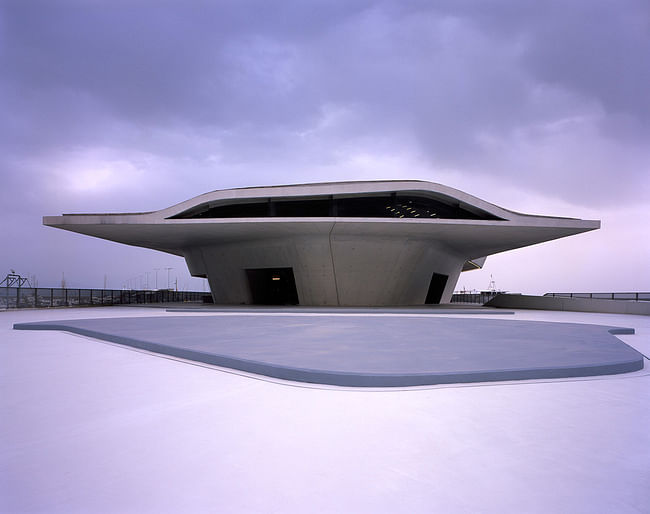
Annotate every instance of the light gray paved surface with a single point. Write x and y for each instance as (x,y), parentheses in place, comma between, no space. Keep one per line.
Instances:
(362,350)
(94,428)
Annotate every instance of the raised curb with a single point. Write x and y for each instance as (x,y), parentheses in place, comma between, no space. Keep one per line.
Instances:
(615,356)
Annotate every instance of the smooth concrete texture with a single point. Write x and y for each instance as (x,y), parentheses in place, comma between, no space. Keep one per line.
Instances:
(364,351)
(336,261)
(556,303)
(93,427)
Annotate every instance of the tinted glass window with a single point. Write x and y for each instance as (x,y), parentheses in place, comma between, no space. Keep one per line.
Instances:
(385,206)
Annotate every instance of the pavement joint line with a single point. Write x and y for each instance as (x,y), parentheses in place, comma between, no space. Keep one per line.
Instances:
(336,314)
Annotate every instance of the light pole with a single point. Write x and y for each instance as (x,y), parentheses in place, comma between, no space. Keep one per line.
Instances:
(157,269)
(168,269)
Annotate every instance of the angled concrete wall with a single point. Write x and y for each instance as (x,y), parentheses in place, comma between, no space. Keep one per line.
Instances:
(555,303)
(342,269)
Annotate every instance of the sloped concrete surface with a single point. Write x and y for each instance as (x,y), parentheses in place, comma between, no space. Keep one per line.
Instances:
(366,351)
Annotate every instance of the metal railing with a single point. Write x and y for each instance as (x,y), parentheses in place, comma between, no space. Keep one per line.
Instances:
(474,298)
(636,297)
(31,297)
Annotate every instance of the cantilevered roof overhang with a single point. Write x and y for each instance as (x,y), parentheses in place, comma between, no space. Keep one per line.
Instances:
(486,228)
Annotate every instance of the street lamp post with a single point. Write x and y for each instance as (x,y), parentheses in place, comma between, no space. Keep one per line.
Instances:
(168,270)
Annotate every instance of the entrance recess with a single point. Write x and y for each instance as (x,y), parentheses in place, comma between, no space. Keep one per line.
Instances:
(272,286)
(436,288)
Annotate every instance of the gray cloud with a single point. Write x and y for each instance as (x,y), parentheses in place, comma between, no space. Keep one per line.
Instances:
(136,105)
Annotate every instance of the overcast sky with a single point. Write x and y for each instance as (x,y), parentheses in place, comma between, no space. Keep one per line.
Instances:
(539,107)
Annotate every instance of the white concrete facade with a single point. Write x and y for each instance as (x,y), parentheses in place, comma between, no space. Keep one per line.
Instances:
(335,259)
(349,270)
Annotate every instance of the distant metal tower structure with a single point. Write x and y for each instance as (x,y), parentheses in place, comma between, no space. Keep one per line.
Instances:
(493,286)
(14,280)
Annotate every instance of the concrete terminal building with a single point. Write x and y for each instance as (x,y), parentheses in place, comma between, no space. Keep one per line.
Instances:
(343,243)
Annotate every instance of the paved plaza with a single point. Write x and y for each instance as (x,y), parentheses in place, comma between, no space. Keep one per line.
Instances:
(371,349)
(88,425)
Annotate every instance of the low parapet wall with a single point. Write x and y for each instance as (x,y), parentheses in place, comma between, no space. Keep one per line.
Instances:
(550,303)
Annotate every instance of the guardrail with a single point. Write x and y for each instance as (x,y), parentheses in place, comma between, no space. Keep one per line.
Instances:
(475,298)
(636,297)
(31,297)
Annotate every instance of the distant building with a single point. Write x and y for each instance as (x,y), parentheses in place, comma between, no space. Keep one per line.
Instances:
(342,243)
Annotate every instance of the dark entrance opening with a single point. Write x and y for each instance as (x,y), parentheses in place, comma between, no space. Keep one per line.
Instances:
(436,288)
(272,286)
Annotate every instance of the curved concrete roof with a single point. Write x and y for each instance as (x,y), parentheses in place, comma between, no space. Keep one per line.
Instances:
(470,238)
